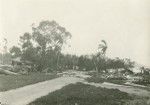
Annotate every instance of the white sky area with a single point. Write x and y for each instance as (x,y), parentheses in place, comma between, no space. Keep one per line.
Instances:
(124,24)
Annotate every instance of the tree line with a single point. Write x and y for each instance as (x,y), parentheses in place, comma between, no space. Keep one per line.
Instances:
(43,47)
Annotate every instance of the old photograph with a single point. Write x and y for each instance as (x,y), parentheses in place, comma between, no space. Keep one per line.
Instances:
(74,52)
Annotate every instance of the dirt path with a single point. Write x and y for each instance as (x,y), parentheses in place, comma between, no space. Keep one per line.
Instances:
(27,94)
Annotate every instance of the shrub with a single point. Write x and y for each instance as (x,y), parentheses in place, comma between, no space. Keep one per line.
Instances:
(96,79)
(144,81)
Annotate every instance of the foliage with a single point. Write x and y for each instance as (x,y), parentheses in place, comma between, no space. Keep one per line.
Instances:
(85,62)
(81,94)
(5,58)
(15,51)
(144,81)
(49,36)
(43,46)
(128,63)
(99,78)
(119,80)
(103,47)
(96,79)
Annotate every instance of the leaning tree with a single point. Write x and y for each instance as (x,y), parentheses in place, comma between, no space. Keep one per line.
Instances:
(102,47)
(99,59)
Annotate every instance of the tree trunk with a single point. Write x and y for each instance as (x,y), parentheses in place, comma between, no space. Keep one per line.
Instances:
(95,66)
(57,60)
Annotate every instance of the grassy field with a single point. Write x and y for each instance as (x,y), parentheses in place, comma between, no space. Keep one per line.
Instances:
(8,82)
(82,94)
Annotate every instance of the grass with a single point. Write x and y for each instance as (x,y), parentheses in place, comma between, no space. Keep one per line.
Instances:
(138,101)
(8,82)
(83,94)
(96,79)
(142,82)
(116,81)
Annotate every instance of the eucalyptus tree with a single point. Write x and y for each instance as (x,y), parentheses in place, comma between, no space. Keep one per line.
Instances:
(49,35)
(44,44)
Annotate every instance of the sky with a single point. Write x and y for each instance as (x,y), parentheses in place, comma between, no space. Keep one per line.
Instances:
(123,24)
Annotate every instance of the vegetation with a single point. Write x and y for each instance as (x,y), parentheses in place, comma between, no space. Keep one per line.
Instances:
(43,48)
(98,78)
(5,58)
(118,80)
(81,94)
(12,82)
(138,101)
(144,81)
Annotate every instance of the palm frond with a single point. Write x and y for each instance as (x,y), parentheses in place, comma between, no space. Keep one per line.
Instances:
(104,42)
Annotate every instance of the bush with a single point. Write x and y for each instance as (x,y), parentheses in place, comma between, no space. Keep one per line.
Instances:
(144,81)
(99,78)
(96,79)
(116,78)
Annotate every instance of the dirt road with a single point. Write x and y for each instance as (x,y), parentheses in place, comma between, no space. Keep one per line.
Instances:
(27,94)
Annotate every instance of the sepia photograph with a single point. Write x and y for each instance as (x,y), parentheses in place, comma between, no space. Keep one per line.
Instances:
(74,52)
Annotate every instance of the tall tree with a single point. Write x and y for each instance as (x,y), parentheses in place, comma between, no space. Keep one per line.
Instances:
(29,52)
(25,41)
(49,35)
(43,46)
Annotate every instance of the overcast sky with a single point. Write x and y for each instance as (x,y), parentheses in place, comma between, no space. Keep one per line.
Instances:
(124,24)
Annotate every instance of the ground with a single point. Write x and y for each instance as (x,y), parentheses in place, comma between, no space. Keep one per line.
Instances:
(27,94)
(30,93)
(83,94)
(8,82)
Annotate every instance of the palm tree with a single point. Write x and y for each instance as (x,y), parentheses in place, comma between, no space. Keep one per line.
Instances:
(100,56)
(103,47)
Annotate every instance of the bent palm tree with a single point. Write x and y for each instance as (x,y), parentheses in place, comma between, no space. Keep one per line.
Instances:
(103,47)
(100,56)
